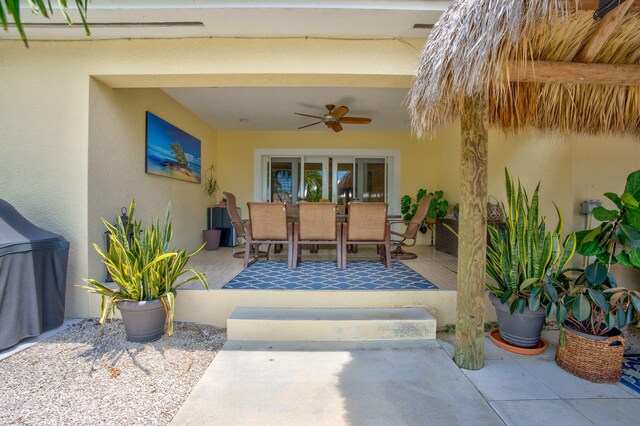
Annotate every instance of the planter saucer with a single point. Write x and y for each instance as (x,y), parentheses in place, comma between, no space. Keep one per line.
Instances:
(494,335)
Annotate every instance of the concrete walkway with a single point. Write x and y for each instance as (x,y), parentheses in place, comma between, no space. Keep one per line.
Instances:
(414,384)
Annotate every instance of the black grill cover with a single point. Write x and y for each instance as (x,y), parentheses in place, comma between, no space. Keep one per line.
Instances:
(33,277)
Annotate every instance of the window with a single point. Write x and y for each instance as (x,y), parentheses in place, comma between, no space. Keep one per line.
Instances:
(314,175)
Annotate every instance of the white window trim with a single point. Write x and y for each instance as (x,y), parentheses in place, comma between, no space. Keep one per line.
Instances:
(393,154)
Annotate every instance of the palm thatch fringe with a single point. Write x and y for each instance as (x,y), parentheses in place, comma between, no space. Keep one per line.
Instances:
(471,45)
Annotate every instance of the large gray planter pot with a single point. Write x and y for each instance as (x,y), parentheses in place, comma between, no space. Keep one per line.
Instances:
(519,329)
(143,321)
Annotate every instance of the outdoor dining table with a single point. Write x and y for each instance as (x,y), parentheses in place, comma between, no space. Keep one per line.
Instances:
(292,217)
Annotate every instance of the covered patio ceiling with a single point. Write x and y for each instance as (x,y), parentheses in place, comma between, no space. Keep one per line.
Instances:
(272,108)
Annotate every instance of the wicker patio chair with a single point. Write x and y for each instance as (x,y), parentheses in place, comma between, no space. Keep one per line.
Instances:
(408,237)
(268,225)
(317,224)
(238,224)
(367,224)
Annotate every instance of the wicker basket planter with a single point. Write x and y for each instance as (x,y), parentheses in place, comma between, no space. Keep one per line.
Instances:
(594,358)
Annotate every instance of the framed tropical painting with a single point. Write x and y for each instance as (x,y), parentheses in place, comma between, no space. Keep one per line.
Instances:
(171,152)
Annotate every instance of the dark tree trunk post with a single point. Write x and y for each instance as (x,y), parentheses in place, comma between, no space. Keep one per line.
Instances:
(469,345)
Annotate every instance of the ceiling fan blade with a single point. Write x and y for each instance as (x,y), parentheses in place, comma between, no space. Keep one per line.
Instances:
(306,115)
(340,111)
(309,125)
(336,127)
(355,120)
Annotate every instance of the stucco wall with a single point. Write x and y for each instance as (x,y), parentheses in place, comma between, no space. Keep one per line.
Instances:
(58,125)
(116,166)
(45,103)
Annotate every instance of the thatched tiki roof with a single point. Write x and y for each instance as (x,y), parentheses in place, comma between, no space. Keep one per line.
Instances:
(545,64)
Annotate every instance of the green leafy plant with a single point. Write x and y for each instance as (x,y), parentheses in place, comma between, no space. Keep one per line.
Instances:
(525,260)
(210,185)
(592,302)
(142,266)
(437,210)
(12,7)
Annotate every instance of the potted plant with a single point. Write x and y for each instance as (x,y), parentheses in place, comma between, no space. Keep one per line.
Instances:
(525,262)
(592,309)
(437,210)
(210,235)
(145,273)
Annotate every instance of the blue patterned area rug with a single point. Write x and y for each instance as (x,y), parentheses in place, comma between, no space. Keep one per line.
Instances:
(324,275)
(631,371)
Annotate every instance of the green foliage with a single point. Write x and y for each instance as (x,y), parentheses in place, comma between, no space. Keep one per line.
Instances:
(178,153)
(141,266)
(313,185)
(12,7)
(592,302)
(210,185)
(437,210)
(525,260)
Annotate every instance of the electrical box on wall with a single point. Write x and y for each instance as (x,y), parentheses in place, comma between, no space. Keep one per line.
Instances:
(587,206)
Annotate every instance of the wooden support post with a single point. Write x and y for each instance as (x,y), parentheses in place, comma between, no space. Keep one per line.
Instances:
(472,243)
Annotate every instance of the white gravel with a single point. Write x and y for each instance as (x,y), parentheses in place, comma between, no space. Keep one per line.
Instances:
(90,374)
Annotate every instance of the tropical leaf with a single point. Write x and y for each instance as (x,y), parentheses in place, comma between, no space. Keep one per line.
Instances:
(604,215)
(581,308)
(628,236)
(561,313)
(634,258)
(596,273)
(590,248)
(598,298)
(633,217)
(633,184)
(614,197)
(629,200)
(621,318)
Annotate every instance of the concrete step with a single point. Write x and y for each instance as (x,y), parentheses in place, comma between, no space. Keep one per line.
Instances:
(331,324)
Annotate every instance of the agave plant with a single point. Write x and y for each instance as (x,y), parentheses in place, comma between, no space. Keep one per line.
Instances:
(525,260)
(142,266)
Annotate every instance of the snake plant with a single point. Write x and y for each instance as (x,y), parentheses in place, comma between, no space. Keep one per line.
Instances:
(525,260)
(142,266)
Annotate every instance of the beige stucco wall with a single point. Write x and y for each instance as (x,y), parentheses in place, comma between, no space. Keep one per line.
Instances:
(237,148)
(116,167)
(59,126)
(45,137)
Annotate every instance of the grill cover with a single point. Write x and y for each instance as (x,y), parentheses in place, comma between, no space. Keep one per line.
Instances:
(33,277)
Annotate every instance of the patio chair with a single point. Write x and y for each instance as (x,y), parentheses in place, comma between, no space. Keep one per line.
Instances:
(410,234)
(317,224)
(367,224)
(238,225)
(268,225)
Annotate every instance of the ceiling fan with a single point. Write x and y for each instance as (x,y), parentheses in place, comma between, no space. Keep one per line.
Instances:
(334,118)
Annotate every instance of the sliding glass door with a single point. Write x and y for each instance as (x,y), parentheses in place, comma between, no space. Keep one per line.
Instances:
(338,178)
(371,179)
(284,178)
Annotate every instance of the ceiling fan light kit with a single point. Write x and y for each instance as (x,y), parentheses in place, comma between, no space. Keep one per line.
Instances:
(335,118)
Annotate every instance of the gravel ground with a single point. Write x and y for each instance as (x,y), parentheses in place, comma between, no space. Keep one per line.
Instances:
(90,374)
